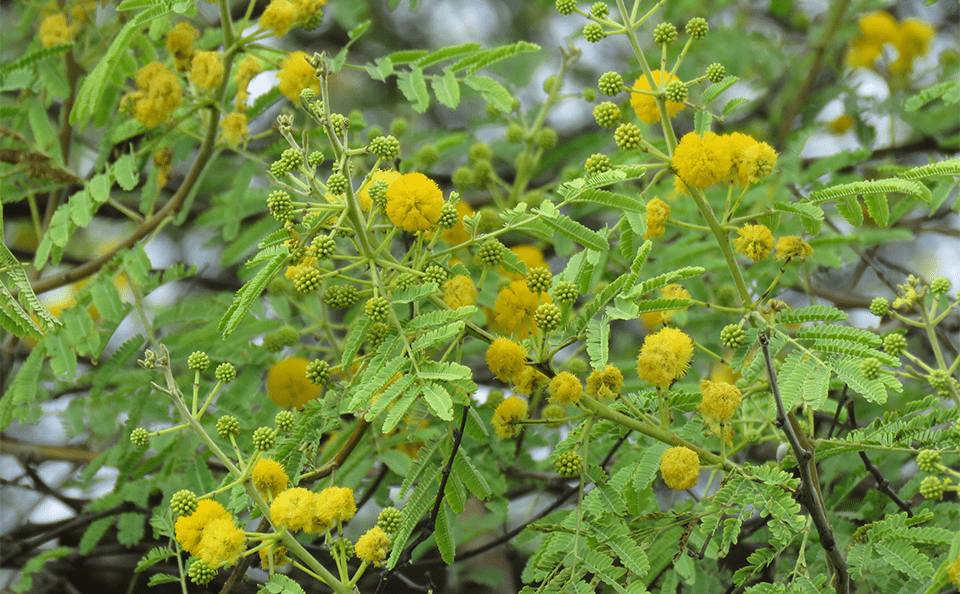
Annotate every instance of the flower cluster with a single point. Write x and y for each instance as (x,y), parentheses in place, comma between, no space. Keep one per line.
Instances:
(300,509)
(664,357)
(159,93)
(680,467)
(414,202)
(507,417)
(910,38)
(296,74)
(516,306)
(287,383)
(702,161)
(210,534)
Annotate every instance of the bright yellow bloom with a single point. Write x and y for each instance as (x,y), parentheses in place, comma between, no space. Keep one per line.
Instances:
(664,357)
(387,175)
(373,546)
(702,161)
(189,530)
(160,93)
(459,291)
(658,212)
(515,306)
(180,42)
(565,388)
(293,508)
(296,74)
(308,9)
(605,383)
(269,477)
(755,241)
(645,106)
(506,418)
(506,358)
(738,144)
(758,161)
(233,128)
(876,29)
(791,246)
(293,271)
(720,400)
(530,255)
(680,467)
(529,380)
(954,571)
(221,543)
(279,16)
(249,67)
(912,40)
(54,30)
(206,70)
(336,504)
(414,202)
(287,383)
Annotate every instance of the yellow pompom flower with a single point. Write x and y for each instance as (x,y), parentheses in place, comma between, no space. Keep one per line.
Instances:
(387,175)
(913,39)
(529,380)
(222,542)
(793,247)
(664,357)
(206,70)
(840,124)
(414,202)
(287,383)
(459,291)
(249,68)
(296,74)
(180,42)
(758,161)
(336,504)
(755,241)
(702,161)
(189,529)
(269,477)
(658,212)
(645,106)
(160,93)
(530,255)
(876,29)
(279,16)
(680,467)
(514,308)
(565,389)
(605,383)
(293,508)
(738,144)
(54,30)
(373,546)
(506,418)
(720,400)
(233,128)
(506,358)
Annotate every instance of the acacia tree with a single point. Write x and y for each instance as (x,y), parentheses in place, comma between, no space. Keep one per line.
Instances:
(653,326)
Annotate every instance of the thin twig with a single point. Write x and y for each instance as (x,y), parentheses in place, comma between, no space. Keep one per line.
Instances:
(883,485)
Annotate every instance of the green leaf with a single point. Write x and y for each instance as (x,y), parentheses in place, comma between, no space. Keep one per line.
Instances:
(611,199)
(414,293)
(876,186)
(438,399)
(282,584)
(714,90)
(701,122)
(13,319)
(248,294)
(465,470)
(491,91)
(33,58)
(448,53)
(437,337)
(598,341)
(445,539)
(406,56)
(823,313)
(663,280)
(124,171)
(949,90)
(483,59)
(577,232)
(733,104)
(154,556)
(905,558)
(414,88)
(447,89)
(95,531)
(399,409)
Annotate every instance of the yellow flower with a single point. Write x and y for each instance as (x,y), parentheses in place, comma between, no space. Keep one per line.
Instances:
(160,93)
(912,40)
(54,30)
(506,358)
(373,546)
(459,291)
(249,68)
(606,383)
(387,175)
(269,477)
(664,357)
(180,42)
(755,242)
(793,247)
(680,467)
(530,255)
(336,504)
(702,161)
(720,400)
(506,418)
(296,74)
(876,29)
(528,380)
(221,543)
(565,388)
(293,271)
(758,161)
(458,234)
(840,124)
(414,202)
(279,15)
(645,106)
(658,212)
(293,508)
(954,571)
(189,529)
(308,9)
(287,383)
(233,128)
(515,306)
(738,144)
(277,553)
(206,70)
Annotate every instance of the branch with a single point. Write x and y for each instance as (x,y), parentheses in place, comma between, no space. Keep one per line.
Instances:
(883,485)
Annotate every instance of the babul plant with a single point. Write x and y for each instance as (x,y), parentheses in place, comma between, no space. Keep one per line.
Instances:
(684,339)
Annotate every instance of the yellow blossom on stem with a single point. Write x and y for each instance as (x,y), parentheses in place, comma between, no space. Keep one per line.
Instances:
(279,16)
(414,202)
(160,93)
(287,383)
(755,241)
(720,400)
(293,508)
(565,389)
(605,383)
(336,504)
(506,418)
(206,70)
(249,67)
(738,144)
(876,29)
(459,291)
(664,357)
(702,161)
(515,307)
(506,358)
(658,212)
(645,106)
(221,542)
(189,529)
(680,467)
(296,74)
(758,161)
(54,30)
(269,477)
(793,247)
(529,380)
(180,42)
(277,553)
(373,546)
(233,128)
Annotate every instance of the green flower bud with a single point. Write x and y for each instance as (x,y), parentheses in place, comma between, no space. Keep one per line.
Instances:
(184,502)
(491,252)
(566,7)
(225,373)
(376,334)
(597,164)
(569,464)
(285,420)
(546,138)
(341,296)
(315,159)
(337,184)
(628,137)
(284,337)
(870,368)
(929,461)
(610,83)
(280,205)
(228,426)
(390,519)
(264,439)
(676,91)
(539,279)
(665,33)
(323,247)
(716,72)
(552,413)
(448,216)
(435,274)
(198,361)
(318,372)
(514,133)
(697,28)
(547,317)
(940,286)
(600,10)
(895,344)
(376,308)
(429,154)
(385,147)
(607,114)
(201,572)
(932,488)
(593,32)
(140,437)
(732,336)
(566,292)
(479,151)
(398,126)
(307,280)
(462,177)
